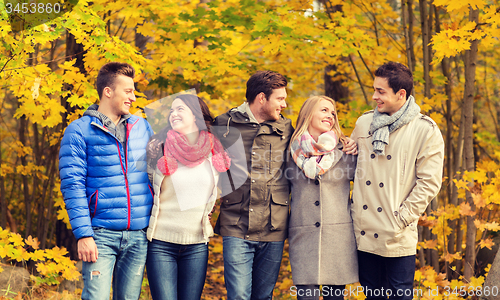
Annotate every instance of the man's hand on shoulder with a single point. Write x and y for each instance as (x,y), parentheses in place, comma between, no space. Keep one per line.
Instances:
(350,147)
(87,249)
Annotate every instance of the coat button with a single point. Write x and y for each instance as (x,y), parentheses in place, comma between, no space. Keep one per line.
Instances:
(316,203)
(368,182)
(365,207)
(362,232)
(251,209)
(317,224)
(389,157)
(396,213)
(379,209)
(375,235)
(316,182)
(381,184)
(372,155)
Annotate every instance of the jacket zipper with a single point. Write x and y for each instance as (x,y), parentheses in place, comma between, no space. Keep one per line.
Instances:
(124,170)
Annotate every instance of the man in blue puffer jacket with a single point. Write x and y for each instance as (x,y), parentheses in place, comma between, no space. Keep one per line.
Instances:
(102,164)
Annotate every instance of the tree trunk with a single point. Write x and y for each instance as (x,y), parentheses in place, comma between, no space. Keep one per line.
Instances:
(24,162)
(450,170)
(411,18)
(3,203)
(425,25)
(406,6)
(334,88)
(468,112)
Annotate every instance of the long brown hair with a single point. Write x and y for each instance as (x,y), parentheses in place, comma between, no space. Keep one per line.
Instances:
(203,120)
(306,113)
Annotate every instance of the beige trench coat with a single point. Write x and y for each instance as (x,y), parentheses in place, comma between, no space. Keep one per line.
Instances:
(391,191)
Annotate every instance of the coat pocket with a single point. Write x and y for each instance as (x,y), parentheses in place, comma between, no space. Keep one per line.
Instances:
(279,207)
(231,207)
(93,199)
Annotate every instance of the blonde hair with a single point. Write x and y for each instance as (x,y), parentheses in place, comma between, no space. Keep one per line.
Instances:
(306,113)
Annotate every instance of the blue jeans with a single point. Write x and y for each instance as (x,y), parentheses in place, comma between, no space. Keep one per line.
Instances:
(251,268)
(176,271)
(122,256)
(386,276)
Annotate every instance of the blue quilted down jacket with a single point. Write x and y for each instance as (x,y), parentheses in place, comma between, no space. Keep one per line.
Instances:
(103,184)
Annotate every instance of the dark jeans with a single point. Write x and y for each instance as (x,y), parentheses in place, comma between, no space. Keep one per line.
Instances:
(312,292)
(383,277)
(176,271)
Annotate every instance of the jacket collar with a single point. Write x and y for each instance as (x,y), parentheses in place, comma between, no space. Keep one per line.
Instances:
(242,114)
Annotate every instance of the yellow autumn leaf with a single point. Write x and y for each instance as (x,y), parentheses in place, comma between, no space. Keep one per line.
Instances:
(465,209)
(493,226)
(33,242)
(38,255)
(488,243)
(460,184)
(429,244)
(16,239)
(217,248)
(480,176)
(479,201)
(451,257)
(476,282)
(4,250)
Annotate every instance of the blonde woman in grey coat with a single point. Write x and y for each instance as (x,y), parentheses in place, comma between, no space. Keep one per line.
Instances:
(321,237)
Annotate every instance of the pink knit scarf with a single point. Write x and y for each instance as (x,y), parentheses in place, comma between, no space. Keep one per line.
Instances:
(177,149)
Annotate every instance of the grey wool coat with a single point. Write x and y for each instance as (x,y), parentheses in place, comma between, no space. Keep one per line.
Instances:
(322,244)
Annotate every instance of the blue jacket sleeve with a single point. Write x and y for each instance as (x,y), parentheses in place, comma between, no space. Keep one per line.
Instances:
(73,173)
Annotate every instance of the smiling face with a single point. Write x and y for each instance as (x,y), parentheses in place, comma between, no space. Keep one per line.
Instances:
(181,118)
(323,118)
(272,107)
(121,96)
(387,101)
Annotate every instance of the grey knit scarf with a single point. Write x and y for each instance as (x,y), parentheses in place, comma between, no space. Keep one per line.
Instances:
(383,124)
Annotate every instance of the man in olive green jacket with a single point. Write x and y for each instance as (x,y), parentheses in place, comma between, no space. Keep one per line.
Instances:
(254,209)
(399,172)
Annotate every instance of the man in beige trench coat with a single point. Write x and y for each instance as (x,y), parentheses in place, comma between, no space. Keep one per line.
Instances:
(399,172)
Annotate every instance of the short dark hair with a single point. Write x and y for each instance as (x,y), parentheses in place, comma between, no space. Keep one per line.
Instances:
(264,82)
(398,76)
(108,73)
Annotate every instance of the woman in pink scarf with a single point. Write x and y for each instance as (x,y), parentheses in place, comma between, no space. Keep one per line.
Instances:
(184,162)
(321,236)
